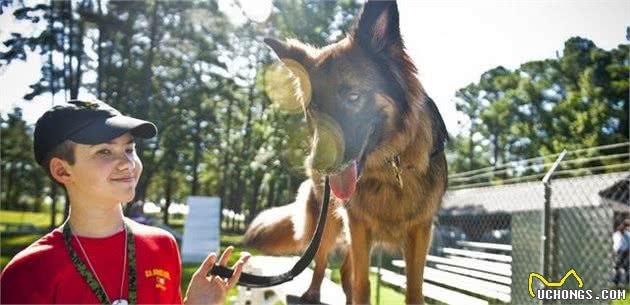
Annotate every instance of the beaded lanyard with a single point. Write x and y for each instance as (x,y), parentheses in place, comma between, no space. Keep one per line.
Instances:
(90,279)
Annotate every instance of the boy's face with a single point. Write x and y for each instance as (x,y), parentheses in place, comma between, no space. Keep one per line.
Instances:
(105,172)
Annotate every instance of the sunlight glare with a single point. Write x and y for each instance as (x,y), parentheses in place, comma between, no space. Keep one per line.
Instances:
(327,155)
(288,85)
(256,10)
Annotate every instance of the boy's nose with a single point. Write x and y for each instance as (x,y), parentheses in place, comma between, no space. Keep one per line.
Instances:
(126,162)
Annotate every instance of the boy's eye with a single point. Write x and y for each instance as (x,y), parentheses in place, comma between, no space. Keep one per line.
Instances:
(130,150)
(104,151)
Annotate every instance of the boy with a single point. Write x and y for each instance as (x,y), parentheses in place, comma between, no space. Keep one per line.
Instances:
(98,255)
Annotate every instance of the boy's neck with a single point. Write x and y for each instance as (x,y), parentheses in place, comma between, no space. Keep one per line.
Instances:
(95,221)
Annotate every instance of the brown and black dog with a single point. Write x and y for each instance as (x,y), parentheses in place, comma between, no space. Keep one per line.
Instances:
(387,166)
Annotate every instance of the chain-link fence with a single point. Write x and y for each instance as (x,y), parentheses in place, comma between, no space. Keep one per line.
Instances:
(528,227)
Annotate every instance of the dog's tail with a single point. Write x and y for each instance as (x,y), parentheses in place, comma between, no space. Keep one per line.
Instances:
(285,229)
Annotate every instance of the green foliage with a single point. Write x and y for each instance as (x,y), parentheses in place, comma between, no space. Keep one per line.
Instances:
(575,101)
(201,79)
(197,76)
(21,177)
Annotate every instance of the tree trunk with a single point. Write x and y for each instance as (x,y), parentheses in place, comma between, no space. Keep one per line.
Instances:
(77,52)
(147,92)
(53,184)
(121,85)
(225,182)
(148,64)
(53,204)
(194,188)
(9,190)
(270,193)
(168,190)
(39,199)
(66,207)
(50,54)
(247,155)
(471,146)
(253,201)
(66,10)
(495,142)
(99,50)
(148,173)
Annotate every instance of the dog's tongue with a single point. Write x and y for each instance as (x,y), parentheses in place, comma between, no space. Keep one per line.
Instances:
(344,183)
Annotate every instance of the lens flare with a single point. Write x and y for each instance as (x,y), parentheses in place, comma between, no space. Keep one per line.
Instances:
(288,85)
(256,10)
(298,142)
(329,144)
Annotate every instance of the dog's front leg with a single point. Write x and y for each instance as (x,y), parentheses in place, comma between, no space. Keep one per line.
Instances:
(346,276)
(360,260)
(329,237)
(415,252)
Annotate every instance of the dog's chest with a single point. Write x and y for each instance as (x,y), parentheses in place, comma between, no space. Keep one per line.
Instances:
(388,208)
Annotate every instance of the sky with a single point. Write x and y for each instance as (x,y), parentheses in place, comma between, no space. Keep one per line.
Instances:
(452,42)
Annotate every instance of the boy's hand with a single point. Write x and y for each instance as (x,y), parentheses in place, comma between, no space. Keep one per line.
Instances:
(204,289)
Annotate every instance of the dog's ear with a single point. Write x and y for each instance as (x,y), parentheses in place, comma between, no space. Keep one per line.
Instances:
(377,28)
(285,50)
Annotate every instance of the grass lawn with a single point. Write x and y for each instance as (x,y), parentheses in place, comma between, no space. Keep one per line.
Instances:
(40,220)
(12,244)
(623,302)
(388,295)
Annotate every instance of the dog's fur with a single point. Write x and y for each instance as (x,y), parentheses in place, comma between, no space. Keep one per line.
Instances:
(391,119)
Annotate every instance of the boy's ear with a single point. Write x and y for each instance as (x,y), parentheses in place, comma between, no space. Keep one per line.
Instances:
(59,170)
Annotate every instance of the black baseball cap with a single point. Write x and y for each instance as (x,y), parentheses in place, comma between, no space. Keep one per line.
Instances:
(85,122)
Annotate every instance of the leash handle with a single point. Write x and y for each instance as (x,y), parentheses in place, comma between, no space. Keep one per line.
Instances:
(258,281)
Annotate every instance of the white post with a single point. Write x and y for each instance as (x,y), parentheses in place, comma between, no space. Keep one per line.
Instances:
(201,229)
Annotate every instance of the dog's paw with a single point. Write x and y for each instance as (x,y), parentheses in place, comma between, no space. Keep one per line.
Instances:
(310,297)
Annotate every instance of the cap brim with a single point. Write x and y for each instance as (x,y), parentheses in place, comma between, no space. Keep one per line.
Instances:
(105,129)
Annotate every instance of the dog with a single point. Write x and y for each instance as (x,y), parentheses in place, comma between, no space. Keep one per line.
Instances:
(380,139)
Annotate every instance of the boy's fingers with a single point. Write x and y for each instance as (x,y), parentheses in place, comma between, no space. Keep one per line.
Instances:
(207,264)
(218,283)
(238,268)
(226,256)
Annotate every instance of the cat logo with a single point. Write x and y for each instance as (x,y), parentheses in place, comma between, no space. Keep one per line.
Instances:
(552,284)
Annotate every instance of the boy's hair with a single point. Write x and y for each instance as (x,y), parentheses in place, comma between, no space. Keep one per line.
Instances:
(83,122)
(63,151)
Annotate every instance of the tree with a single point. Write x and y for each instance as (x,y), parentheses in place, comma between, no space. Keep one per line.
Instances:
(575,101)
(22,179)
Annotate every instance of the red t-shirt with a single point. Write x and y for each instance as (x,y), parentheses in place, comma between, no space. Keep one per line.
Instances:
(44,273)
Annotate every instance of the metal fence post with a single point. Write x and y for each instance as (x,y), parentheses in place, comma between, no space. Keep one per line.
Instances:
(378,277)
(545,248)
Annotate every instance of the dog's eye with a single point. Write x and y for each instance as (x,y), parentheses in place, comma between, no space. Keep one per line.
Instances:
(354,97)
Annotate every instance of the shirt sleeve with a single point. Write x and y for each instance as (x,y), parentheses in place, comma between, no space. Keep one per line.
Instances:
(19,284)
(177,298)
